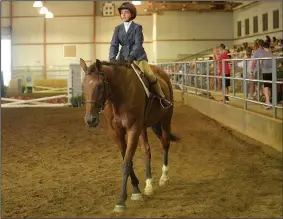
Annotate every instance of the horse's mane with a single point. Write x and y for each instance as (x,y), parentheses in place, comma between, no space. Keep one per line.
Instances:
(115,64)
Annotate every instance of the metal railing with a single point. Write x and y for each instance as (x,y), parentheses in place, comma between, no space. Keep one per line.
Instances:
(201,77)
(52,72)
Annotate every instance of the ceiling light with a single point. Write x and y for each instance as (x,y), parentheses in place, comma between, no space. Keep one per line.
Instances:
(43,10)
(37,4)
(136,2)
(49,14)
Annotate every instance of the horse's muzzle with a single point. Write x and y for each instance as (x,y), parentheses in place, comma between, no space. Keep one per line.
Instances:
(91,121)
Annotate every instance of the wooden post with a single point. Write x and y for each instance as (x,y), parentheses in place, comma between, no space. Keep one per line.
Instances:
(44,50)
(94,30)
(11,29)
(44,47)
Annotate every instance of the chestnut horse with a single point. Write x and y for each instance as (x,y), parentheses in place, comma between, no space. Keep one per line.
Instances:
(117,89)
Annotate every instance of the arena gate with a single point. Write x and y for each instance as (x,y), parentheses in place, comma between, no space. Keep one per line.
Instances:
(73,90)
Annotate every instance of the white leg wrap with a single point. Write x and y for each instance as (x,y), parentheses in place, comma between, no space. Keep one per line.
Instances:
(148,188)
(164,178)
(165,169)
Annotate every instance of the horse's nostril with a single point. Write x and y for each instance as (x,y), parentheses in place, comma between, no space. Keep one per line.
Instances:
(90,120)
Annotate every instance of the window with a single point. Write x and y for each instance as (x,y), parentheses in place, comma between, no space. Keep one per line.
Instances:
(265,22)
(247,26)
(275,19)
(239,28)
(255,19)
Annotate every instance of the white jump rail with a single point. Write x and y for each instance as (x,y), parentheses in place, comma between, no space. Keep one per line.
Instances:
(35,102)
(30,106)
(50,89)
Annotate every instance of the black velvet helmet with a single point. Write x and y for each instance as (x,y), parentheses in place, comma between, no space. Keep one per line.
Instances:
(130,7)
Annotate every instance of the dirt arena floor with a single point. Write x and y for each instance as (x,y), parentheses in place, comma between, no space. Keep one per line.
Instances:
(54,166)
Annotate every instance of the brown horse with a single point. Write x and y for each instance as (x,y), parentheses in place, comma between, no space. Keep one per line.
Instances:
(117,89)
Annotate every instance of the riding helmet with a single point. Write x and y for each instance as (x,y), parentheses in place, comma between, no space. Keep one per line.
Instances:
(130,7)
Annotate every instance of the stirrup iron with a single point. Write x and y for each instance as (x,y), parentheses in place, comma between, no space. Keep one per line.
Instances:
(165,107)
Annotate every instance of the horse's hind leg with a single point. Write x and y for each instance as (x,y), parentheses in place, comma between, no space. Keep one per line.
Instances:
(165,140)
(146,149)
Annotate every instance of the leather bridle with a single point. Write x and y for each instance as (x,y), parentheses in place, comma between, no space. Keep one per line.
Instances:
(106,94)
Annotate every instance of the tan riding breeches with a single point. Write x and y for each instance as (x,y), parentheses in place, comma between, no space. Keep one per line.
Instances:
(145,68)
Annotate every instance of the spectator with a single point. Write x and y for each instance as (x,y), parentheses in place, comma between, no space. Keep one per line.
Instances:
(267,39)
(266,72)
(258,50)
(250,74)
(274,42)
(245,45)
(215,58)
(223,55)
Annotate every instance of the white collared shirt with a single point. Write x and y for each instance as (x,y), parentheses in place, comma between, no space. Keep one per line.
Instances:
(127,25)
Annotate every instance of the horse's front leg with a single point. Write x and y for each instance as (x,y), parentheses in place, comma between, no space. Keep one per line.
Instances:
(119,136)
(117,131)
(137,195)
(133,136)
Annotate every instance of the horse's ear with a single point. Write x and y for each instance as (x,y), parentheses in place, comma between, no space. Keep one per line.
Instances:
(83,65)
(98,65)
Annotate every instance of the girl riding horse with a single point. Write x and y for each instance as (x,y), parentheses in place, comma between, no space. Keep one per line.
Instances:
(130,36)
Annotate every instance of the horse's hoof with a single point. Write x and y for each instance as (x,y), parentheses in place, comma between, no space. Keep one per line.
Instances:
(136,196)
(163,182)
(148,192)
(120,208)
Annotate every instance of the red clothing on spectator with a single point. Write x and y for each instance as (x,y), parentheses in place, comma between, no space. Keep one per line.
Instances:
(224,55)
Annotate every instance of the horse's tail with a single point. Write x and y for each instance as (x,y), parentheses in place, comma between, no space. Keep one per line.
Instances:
(156,128)
(174,137)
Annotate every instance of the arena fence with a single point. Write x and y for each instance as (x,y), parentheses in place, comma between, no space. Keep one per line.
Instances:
(203,78)
(194,77)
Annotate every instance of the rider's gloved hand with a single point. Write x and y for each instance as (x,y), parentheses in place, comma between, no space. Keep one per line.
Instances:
(113,61)
(130,60)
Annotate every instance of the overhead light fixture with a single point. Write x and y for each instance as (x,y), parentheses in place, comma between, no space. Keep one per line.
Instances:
(37,4)
(49,14)
(43,10)
(136,2)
